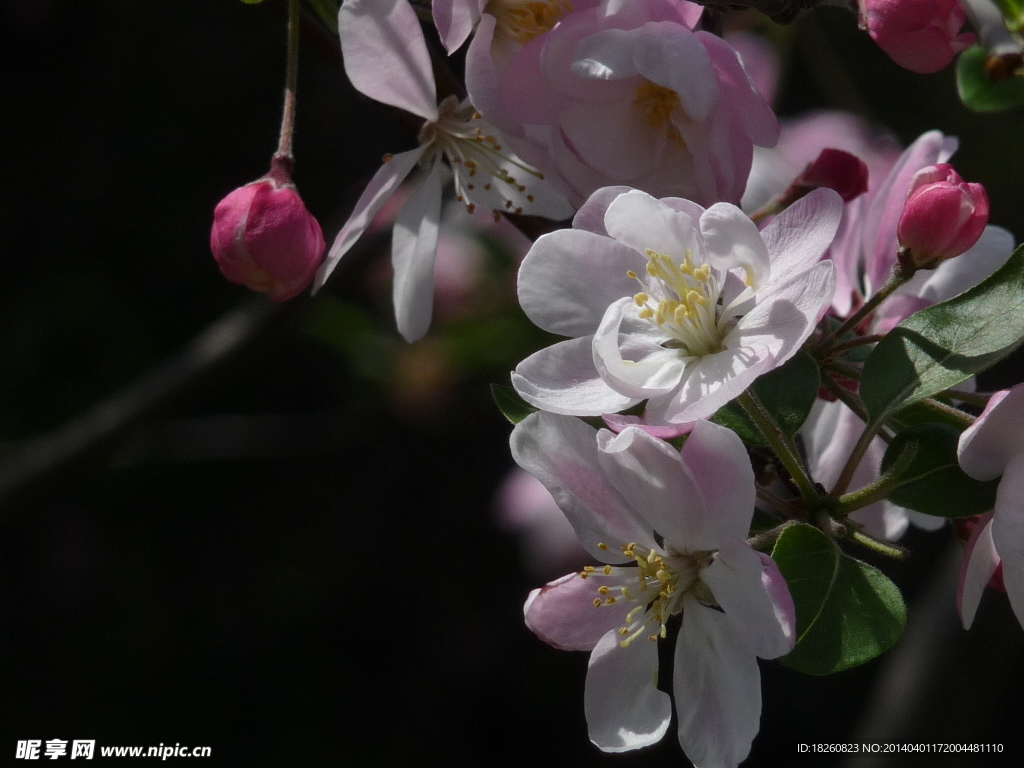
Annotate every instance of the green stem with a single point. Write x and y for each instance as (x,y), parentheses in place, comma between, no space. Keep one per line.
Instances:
(856,455)
(783,447)
(879,489)
(894,282)
(843,369)
(847,398)
(858,342)
(779,503)
(882,547)
(974,398)
(962,419)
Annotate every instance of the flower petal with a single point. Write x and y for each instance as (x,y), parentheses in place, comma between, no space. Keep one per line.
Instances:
(799,236)
(1008,532)
(717,688)
(648,371)
(980,562)
(719,462)
(562,378)
(988,445)
(562,613)
(624,708)
(386,56)
(413,251)
(454,20)
(590,215)
(562,452)
(380,189)
(640,221)
(731,241)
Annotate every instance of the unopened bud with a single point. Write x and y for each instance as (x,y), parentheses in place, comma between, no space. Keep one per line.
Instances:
(942,218)
(264,238)
(920,35)
(845,173)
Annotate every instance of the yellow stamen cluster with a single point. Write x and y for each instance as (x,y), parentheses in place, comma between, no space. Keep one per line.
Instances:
(689,310)
(661,581)
(523,20)
(657,103)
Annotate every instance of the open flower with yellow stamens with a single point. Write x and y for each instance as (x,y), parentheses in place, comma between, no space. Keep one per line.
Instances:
(670,527)
(671,303)
(386,58)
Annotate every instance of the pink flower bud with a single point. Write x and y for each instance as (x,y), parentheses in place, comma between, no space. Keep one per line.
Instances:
(264,238)
(943,216)
(845,173)
(919,35)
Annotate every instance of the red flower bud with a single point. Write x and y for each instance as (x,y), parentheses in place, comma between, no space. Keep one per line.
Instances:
(919,35)
(943,216)
(264,238)
(845,173)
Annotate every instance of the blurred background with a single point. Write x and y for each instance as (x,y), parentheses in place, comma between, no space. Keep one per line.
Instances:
(277,530)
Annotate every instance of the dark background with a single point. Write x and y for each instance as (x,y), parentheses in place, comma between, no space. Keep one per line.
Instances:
(287,552)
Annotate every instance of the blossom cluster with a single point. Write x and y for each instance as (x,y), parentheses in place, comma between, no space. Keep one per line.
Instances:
(736,297)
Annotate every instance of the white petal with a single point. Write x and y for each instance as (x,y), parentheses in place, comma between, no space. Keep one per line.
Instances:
(980,562)
(640,221)
(717,688)
(624,708)
(569,278)
(590,215)
(651,474)
(563,613)
(799,236)
(562,378)
(731,240)
(718,460)
(386,56)
(988,445)
(635,367)
(1008,532)
(413,251)
(562,452)
(736,579)
(455,19)
(377,192)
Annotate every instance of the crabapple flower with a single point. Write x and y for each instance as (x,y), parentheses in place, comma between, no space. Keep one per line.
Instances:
(670,528)
(943,216)
(386,58)
(671,303)
(847,174)
(920,35)
(264,238)
(626,93)
(994,446)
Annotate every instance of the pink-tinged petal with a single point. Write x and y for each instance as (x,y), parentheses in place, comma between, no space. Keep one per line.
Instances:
(721,466)
(624,708)
(514,190)
(483,83)
(760,60)
(635,367)
(710,383)
(740,582)
(799,236)
(563,613)
(980,562)
(731,241)
(675,58)
(606,55)
(758,119)
(525,91)
(590,215)
(717,688)
(569,278)
(895,310)
(651,474)
(988,445)
(413,251)
(685,206)
(1008,532)
(562,452)
(386,56)
(778,591)
(613,137)
(380,189)
(618,422)
(454,20)
(640,221)
(562,378)
(879,228)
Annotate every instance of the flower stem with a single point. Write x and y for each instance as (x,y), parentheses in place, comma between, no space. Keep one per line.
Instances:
(856,455)
(879,489)
(882,547)
(783,447)
(284,145)
(779,503)
(858,342)
(895,281)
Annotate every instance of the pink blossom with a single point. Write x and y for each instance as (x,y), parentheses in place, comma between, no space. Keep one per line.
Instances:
(386,58)
(994,446)
(264,238)
(919,35)
(626,93)
(835,169)
(671,303)
(678,521)
(943,216)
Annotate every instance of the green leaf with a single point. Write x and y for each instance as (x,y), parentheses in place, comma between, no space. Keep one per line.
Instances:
(926,412)
(252,2)
(943,345)
(978,92)
(511,405)
(736,419)
(327,10)
(934,483)
(789,392)
(847,612)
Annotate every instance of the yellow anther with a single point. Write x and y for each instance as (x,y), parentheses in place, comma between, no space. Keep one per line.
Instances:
(652,637)
(588,568)
(624,631)
(641,299)
(603,590)
(610,601)
(646,313)
(607,570)
(601,545)
(597,602)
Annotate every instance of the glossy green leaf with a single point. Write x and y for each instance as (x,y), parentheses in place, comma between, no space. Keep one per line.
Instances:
(511,405)
(943,345)
(847,612)
(978,92)
(934,483)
